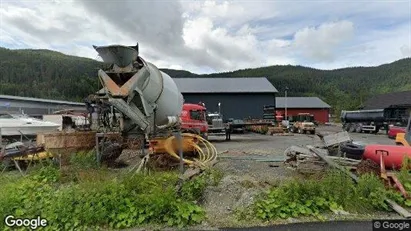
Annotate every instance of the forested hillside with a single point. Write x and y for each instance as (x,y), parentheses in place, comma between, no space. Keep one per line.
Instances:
(50,74)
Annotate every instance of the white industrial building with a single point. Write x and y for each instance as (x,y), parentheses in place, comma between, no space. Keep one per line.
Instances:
(34,106)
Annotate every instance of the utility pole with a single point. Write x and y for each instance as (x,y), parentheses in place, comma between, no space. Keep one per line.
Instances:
(286,118)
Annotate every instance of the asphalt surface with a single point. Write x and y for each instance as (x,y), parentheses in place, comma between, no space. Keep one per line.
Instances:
(315,226)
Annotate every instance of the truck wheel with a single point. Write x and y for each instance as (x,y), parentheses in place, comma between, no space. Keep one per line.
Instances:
(300,131)
(352,151)
(312,132)
(358,129)
(351,129)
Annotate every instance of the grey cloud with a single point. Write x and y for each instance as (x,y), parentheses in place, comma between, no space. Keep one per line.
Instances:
(51,34)
(158,24)
(406,50)
(154,22)
(320,43)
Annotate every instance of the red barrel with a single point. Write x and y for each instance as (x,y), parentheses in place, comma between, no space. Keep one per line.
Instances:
(395,157)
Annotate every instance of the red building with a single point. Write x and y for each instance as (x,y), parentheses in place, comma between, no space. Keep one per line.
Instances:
(312,105)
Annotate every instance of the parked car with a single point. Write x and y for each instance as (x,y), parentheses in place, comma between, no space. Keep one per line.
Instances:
(394,130)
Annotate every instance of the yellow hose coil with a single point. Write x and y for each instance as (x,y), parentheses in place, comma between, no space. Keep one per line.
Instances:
(203,159)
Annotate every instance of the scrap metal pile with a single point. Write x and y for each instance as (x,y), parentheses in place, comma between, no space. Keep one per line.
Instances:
(306,161)
(374,159)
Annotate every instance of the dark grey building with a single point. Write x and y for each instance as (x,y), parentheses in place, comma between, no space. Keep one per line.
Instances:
(239,97)
(390,100)
(396,104)
(35,106)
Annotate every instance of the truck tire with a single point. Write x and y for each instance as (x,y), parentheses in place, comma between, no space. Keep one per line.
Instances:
(352,151)
(351,128)
(312,132)
(358,129)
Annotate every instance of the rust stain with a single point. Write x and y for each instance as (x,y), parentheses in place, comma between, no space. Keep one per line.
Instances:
(114,89)
(126,87)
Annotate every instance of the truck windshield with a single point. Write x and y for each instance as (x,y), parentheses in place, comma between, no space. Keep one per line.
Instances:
(197,115)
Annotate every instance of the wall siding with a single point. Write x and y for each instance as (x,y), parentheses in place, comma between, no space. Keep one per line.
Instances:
(33,108)
(234,105)
(320,115)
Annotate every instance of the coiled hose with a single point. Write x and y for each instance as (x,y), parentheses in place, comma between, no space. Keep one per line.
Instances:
(204,158)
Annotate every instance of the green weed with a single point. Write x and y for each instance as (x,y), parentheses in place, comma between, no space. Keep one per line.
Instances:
(335,191)
(100,199)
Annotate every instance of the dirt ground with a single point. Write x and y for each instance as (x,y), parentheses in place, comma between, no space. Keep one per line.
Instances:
(244,179)
(251,144)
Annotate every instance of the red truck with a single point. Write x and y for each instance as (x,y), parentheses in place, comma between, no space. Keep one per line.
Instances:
(193,119)
(394,130)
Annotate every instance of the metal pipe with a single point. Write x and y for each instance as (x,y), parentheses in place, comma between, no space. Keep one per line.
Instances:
(180,150)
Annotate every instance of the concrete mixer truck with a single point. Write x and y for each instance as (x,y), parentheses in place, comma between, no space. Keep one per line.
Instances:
(138,100)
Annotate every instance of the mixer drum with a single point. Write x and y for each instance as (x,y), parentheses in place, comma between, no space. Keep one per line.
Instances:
(138,89)
(162,91)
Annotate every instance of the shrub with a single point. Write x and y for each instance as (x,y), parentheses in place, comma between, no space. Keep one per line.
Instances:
(335,191)
(91,202)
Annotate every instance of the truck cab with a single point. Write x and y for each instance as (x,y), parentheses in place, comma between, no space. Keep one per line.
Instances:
(193,119)
(216,124)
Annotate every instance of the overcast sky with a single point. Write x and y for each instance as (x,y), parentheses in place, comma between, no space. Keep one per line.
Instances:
(216,36)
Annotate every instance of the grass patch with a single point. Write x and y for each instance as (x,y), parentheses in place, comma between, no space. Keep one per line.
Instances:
(97,198)
(332,193)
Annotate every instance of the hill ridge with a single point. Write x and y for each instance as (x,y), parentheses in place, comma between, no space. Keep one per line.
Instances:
(51,74)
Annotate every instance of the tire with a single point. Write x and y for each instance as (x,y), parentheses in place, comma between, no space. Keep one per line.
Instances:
(312,132)
(358,129)
(300,131)
(352,151)
(351,129)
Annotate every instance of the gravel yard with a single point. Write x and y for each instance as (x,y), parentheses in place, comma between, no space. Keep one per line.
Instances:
(243,179)
(252,144)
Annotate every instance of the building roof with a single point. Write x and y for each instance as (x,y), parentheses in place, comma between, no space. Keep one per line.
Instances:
(300,102)
(225,85)
(10,97)
(389,100)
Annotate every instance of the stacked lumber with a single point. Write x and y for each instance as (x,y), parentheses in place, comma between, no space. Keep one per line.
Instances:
(275,130)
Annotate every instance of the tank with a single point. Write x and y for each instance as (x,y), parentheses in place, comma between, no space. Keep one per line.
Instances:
(147,96)
(395,157)
(362,116)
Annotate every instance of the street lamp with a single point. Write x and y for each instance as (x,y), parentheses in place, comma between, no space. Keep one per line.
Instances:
(285,106)
(219,108)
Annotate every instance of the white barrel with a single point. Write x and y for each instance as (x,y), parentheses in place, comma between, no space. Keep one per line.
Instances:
(161,90)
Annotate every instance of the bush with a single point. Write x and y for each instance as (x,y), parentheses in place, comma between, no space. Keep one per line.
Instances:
(93,202)
(335,191)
